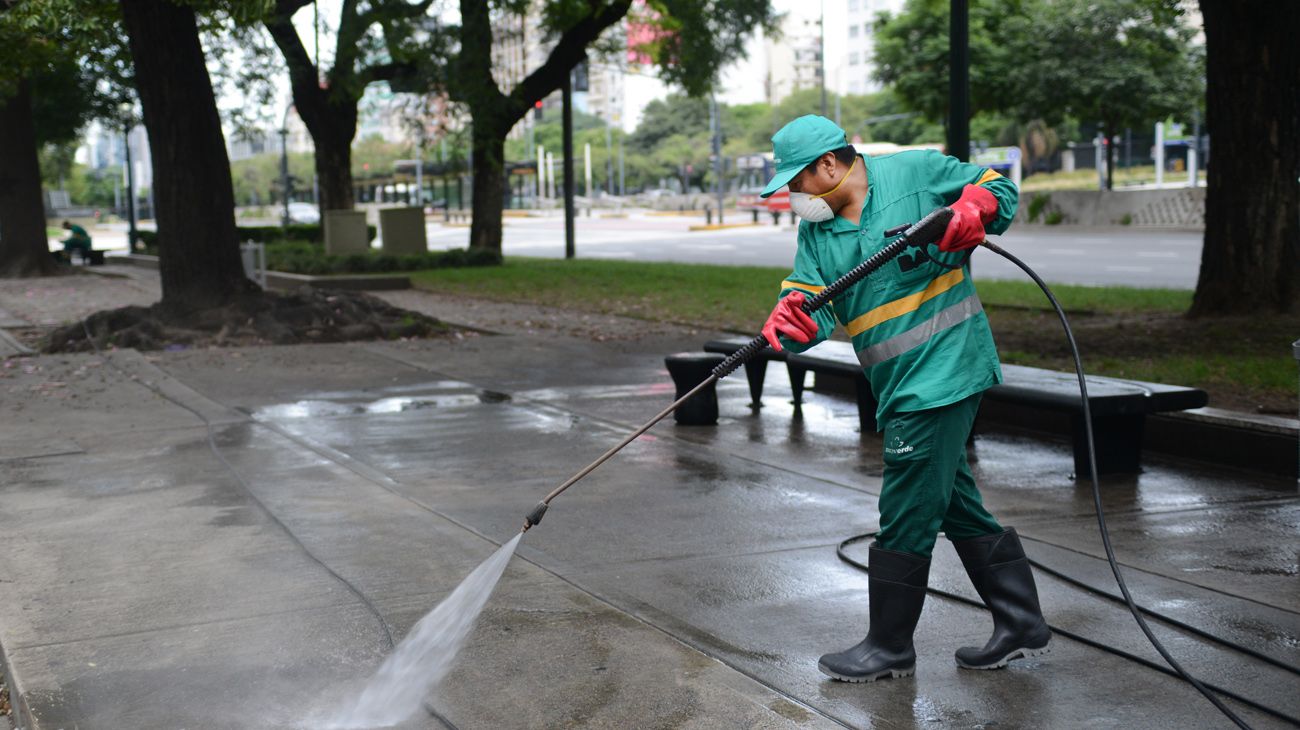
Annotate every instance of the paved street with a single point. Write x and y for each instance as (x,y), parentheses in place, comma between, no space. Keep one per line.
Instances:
(1060,254)
(1064,254)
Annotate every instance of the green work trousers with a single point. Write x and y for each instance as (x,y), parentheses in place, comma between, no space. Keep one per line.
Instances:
(928,484)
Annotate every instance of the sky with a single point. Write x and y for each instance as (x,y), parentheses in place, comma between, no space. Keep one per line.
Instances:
(742,81)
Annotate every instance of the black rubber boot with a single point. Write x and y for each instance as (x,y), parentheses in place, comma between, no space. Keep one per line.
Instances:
(896,582)
(1000,572)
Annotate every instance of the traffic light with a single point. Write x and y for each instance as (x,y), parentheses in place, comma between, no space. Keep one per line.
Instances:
(537,111)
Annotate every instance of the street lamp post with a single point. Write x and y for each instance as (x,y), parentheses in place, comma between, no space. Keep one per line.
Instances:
(284,175)
(821,54)
(285,182)
(127,124)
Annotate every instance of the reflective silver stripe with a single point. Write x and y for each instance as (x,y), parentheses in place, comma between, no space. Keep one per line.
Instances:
(949,316)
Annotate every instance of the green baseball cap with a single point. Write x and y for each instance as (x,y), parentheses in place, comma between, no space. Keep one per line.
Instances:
(798,143)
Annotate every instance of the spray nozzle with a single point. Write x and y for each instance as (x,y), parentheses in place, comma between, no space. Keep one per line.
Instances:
(536,515)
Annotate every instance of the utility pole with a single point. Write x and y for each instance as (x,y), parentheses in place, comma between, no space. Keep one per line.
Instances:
(715,126)
(130,192)
(567,92)
(821,57)
(284,175)
(609,161)
(959,80)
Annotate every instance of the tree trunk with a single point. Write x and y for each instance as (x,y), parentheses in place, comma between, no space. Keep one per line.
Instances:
(198,246)
(332,136)
(24,249)
(489,186)
(330,112)
(495,113)
(1251,258)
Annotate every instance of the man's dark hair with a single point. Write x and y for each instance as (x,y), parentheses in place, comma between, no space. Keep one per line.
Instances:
(844,154)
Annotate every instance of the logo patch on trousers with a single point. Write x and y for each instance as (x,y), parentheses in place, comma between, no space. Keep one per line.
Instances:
(898,446)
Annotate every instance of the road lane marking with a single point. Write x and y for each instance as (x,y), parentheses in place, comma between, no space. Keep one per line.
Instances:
(1157,255)
(1067,251)
(1116,267)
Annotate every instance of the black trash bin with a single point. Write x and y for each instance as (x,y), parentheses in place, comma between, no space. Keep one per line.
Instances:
(689,369)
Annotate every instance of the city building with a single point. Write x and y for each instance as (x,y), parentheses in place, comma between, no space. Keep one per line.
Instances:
(857,66)
(794,60)
(268,141)
(104,146)
(520,46)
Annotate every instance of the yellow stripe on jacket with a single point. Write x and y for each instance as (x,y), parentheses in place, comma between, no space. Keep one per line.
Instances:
(810,288)
(904,305)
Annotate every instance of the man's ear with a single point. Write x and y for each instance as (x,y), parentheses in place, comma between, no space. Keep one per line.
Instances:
(827,163)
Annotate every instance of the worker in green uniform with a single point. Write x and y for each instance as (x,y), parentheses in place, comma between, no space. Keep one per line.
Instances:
(77,240)
(923,339)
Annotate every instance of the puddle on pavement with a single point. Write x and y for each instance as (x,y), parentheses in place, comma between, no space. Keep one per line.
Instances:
(319,408)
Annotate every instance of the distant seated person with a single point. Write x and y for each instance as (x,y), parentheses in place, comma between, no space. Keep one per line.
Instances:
(78,241)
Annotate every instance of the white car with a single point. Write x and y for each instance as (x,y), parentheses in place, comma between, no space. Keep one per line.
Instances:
(303,213)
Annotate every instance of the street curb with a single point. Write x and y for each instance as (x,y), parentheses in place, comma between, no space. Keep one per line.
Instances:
(285,280)
(721,226)
(20,714)
(9,342)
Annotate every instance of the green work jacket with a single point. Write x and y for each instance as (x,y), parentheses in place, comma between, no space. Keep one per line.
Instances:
(917,325)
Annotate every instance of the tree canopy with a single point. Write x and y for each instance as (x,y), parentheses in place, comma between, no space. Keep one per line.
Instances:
(1118,63)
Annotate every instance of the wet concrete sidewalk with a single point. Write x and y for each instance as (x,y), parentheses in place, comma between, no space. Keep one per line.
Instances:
(160,574)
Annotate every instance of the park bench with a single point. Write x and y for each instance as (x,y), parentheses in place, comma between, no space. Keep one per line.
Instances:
(755,369)
(92,257)
(1119,407)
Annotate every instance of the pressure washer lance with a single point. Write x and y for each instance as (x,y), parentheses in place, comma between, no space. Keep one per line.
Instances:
(928,230)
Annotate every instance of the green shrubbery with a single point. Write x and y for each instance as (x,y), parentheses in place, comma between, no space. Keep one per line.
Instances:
(297,257)
(1036,205)
(309,233)
(303,253)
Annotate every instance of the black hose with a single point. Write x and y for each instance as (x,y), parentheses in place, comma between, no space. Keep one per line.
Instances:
(840,552)
(1096,493)
(1241,648)
(1137,611)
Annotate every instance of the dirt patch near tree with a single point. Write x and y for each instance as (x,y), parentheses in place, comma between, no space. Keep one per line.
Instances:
(1244,363)
(6,712)
(269,318)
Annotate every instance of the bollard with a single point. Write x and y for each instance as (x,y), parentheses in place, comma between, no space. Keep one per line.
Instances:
(755,211)
(792,217)
(689,369)
(776,217)
(708,216)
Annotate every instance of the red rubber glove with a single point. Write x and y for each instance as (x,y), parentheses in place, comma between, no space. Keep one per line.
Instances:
(789,319)
(972,211)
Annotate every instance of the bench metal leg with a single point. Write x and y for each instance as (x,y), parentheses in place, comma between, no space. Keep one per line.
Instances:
(796,381)
(1118,440)
(755,373)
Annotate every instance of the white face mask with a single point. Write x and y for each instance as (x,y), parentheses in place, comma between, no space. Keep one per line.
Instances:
(814,208)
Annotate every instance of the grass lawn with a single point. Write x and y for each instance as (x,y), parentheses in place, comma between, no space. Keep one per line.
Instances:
(1244,363)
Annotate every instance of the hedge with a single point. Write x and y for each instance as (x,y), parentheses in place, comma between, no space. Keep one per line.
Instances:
(297,257)
(310,233)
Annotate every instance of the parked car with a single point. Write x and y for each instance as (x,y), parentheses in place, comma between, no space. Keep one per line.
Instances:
(303,213)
